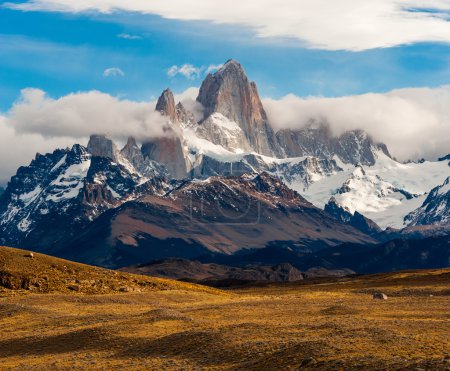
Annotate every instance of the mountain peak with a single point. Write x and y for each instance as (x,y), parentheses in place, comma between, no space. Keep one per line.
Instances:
(229,92)
(231,65)
(131,142)
(166,105)
(101,146)
(131,149)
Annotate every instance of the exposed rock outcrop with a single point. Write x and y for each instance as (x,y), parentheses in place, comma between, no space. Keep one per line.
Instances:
(185,117)
(101,146)
(144,166)
(354,147)
(166,105)
(169,152)
(230,93)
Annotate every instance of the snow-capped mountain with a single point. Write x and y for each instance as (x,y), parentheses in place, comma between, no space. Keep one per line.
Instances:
(316,139)
(352,176)
(60,192)
(355,219)
(436,208)
(385,192)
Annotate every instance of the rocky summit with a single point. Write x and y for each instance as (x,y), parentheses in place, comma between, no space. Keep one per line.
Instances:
(230,93)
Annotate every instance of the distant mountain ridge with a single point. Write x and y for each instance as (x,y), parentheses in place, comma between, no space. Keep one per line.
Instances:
(142,202)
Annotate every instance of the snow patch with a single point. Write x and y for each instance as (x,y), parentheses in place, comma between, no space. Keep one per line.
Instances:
(28,198)
(59,164)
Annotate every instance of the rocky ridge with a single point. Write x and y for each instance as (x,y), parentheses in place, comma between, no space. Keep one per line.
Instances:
(435,210)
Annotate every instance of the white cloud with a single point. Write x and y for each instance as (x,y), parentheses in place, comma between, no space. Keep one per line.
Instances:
(187,70)
(333,25)
(19,149)
(79,115)
(128,36)
(189,100)
(413,122)
(113,72)
(213,68)
(38,123)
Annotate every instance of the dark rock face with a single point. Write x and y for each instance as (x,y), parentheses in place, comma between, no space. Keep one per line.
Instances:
(101,146)
(444,158)
(43,192)
(355,147)
(144,166)
(356,220)
(230,93)
(169,152)
(184,116)
(314,140)
(435,209)
(166,105)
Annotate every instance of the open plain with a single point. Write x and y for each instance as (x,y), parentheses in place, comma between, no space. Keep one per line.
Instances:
(172,325)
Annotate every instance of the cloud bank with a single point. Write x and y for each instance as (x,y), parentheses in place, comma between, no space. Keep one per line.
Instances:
(38,123)
(79,115)
(333,25)
(412,122)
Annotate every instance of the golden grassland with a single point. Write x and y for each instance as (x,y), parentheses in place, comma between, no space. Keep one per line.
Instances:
(173,325)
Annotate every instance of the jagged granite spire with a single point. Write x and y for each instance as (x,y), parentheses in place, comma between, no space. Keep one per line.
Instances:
(229,92)
(101,146)
(131,150)
(169,152)
(166,105)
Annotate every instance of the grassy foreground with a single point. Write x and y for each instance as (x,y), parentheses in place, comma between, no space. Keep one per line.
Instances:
(172,325)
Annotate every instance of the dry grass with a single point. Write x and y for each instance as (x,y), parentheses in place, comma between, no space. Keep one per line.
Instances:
(337,324)
(45,274)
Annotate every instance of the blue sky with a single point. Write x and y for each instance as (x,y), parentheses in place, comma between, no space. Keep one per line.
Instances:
(64,52)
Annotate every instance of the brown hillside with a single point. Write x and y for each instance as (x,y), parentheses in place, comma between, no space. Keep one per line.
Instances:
(22,271)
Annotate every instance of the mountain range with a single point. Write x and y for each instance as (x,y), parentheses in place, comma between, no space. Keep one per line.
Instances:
(222,183)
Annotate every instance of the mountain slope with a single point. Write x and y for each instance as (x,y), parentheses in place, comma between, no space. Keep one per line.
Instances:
(435,209)
(394,255)
(195,188)
(194,271)
(385,192)
(39,273)
(221,214)
(60,193)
